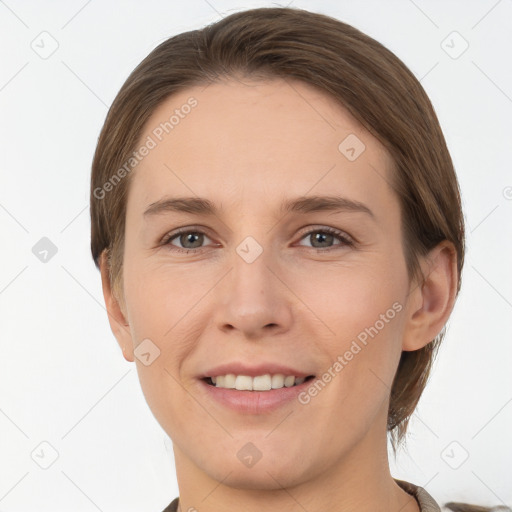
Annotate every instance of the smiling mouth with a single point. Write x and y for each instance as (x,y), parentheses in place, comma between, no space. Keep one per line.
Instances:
(265,382)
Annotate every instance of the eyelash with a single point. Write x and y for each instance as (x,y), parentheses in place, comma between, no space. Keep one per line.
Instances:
(344,238)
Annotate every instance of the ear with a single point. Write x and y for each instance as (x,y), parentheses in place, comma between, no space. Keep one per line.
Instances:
(431,301)
(116,317)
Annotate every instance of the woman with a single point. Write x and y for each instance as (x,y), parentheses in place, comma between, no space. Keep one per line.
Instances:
(278,226)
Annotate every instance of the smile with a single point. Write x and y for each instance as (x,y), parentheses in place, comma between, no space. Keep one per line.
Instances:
(265,382)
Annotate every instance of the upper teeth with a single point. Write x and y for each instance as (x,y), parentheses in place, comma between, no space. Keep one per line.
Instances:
(259,383)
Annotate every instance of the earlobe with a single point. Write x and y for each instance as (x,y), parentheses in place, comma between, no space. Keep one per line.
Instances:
(431,301)
(116,317)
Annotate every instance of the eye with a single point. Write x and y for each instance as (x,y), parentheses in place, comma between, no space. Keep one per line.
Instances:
(325,236)
(190,240)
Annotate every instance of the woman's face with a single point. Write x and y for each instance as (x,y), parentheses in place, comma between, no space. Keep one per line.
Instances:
(255,289)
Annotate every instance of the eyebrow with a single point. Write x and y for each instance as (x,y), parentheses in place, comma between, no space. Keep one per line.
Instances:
(302,205)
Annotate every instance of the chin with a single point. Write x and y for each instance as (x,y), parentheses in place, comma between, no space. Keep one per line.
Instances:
(265,477)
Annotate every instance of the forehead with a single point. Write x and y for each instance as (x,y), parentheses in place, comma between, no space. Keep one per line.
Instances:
(255,139)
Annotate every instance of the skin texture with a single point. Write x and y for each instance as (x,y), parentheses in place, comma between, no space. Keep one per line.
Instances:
(247,146)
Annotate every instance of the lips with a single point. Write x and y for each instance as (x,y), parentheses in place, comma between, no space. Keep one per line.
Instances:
(254,402)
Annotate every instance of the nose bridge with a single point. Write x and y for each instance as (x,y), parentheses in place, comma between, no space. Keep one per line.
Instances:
(252,298)
(251,278)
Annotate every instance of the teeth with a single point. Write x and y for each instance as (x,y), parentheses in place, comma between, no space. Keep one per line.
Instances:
(277,381)
(260,383)
(229,381)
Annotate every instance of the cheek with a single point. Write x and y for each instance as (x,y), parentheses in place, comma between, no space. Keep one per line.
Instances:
(351,298)
(165,306)
(160,305)
(361,312)
(160,297)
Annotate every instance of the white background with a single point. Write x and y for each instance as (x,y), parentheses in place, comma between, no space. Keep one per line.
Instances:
(63,379)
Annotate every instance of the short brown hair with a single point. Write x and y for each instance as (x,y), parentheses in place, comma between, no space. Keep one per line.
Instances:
(360,73)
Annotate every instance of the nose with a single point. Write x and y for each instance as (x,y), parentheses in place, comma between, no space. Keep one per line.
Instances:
(253,298)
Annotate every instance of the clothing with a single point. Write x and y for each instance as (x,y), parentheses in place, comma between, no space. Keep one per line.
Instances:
(173,506)
(425,502)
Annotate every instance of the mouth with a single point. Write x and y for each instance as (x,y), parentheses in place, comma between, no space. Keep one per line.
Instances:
(256,388)
(258,395)
(266,382)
